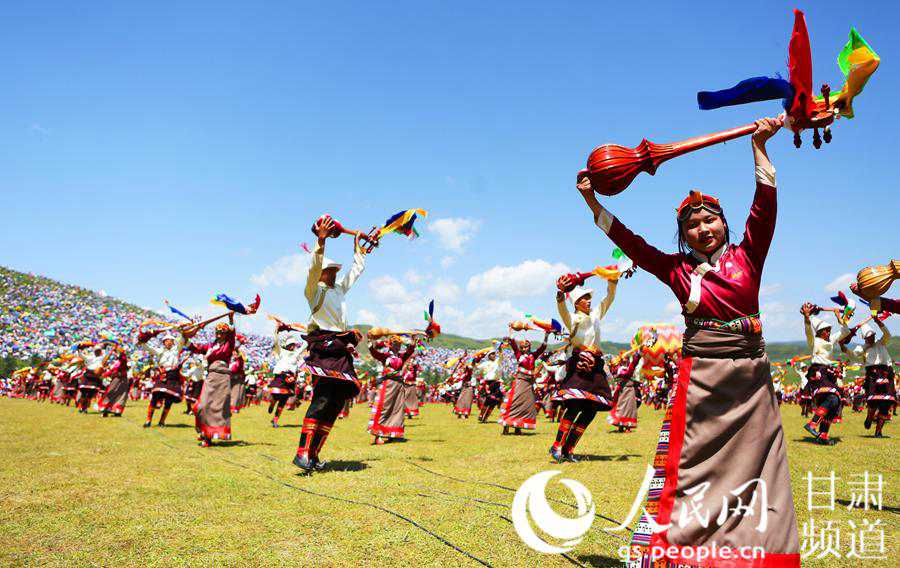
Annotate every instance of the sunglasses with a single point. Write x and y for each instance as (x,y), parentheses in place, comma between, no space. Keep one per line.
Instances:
(696,201)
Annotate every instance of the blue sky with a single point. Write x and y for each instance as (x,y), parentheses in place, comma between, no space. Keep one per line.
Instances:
(179,149)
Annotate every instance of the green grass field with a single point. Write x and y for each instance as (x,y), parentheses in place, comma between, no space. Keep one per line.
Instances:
(79,490)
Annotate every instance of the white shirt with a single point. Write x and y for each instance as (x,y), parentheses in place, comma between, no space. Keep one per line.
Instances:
(327,305)
(92,362)
(878,353)
(286,361)
(490,369)
(167,359)
(584,329)
(822,348)
(193,370)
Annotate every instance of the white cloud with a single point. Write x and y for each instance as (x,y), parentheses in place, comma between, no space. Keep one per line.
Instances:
(413,277)
(389,290)
(448,261)
(841,282)
(290,269)
(769,289)
(454,232)
(526,279)
(365,316)
(445,291)
(489,319)
(780,321)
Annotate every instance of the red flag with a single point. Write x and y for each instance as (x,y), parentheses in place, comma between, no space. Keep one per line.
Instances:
(800,68)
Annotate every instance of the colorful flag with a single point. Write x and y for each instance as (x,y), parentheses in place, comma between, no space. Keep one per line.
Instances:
(235,306)
(175,310)
(402,223)
(857,61)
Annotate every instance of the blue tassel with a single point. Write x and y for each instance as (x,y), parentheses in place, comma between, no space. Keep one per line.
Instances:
(750,90)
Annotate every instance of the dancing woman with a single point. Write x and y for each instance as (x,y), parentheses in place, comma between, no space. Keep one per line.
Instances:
(287,352)
(411,390)
(519,410)
(723,430)
(464,374)
(213,409)
(238,376)
(116,396)
(388,412)
(623,414)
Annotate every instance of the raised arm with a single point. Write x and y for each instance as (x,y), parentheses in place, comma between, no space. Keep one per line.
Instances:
(885,334)
(604,305)
(378,351)
(543,347)
(760,225)
(563,310)
(513,345)
(810,336)
(315,272)
(356,269)
(276,347)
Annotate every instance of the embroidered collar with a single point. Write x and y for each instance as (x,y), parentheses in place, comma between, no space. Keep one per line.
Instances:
(714,259)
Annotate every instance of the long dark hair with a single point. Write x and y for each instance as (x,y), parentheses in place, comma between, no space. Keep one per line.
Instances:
(683,247)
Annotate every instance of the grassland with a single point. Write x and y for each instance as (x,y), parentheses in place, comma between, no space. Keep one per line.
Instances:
(79,490)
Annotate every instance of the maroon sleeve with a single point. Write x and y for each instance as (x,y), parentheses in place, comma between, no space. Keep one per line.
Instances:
(540,350)
(632,366)
(200,348)
(377,354)
(760,224)
(644,255)
(890,305)
(514,346)
(113,369)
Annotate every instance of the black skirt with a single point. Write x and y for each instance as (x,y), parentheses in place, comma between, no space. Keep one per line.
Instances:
(330,356)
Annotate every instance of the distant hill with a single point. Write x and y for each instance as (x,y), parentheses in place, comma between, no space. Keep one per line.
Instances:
(40,317)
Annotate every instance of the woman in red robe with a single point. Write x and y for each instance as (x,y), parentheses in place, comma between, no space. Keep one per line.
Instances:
(722,441)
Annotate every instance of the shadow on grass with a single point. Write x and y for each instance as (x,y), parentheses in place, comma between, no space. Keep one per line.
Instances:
(343,465)
(240,443)
(176,426)
(887,508)
(593,457)
(810,440)
(599,560)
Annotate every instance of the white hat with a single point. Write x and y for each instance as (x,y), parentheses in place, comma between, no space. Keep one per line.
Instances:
(866,330)
(328,263)
(578,292)
(819,324)
(167,336)
(289,339)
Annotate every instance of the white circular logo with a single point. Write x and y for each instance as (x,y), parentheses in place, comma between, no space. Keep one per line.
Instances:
(531,501)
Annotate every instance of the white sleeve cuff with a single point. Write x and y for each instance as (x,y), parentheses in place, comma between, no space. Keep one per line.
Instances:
(765,174)
(604,220)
